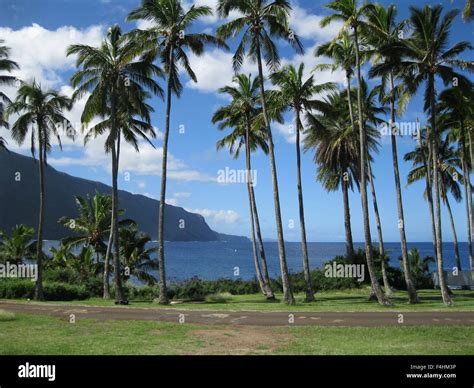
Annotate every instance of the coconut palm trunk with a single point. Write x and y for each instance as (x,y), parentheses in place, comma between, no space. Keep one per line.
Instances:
(467,193)
(106,281)
(439,248)
(258,270)
(363,183)
(347,219)
(429,190)
(287,292)
(411,289)
(39,245)
(455,236)
(119,294)
(266,278)
(386,284)
(163,298)
(304,245)
(106,286)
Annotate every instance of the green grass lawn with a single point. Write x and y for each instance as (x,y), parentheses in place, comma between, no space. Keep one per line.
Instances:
(42,335)
(345,300)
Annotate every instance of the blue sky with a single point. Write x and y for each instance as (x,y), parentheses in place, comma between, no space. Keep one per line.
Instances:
(39,32)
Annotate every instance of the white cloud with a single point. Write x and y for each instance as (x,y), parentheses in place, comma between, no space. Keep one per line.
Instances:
(307,25)
(145,162)
(41,53)
(171,201)
(182,195)
(286,130)
(218,216)
(214,70)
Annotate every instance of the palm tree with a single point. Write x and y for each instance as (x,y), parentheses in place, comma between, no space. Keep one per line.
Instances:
(136,257)
(18,245)
(352,15)
(382,29)
(116,78)
(261,20)
(6,65)
(448,163)
(335,143)
(426,55)
(297,95)
(92,225)
(41,111)
(370,116)
(240,115)
(419,266)
(455,105)
(168,38)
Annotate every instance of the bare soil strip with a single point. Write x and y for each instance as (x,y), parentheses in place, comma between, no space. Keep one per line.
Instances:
(247,318)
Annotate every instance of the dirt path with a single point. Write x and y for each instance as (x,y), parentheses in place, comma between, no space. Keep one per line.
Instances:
(244,318)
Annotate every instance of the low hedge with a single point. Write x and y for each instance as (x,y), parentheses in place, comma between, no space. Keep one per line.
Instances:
(55,291)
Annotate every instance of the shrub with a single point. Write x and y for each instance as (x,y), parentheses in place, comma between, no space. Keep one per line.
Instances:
(24,288)
(64,291)
(6,316)
(222,297)
(16,288)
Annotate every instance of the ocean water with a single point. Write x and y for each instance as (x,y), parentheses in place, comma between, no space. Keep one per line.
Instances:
(214,260)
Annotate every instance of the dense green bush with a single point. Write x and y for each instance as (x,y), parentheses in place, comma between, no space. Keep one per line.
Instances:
(25,288)
(16,288)
(93,284)
(64,291)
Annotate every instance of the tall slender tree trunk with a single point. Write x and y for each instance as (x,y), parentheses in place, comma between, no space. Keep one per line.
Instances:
(163,298)
(363,184)
(266,278)
(467,193)
(39,245)
(439,247)
(429,190)
(252,217)
(386,284)
(347,219)
(119,293)
(285,278)
(106,282)
(455,236)
(304,245)
(471,209)
(411,289)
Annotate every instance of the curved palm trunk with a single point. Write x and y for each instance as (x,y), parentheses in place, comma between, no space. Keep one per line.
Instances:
(253,202)
(345,188)
(266,279)
(304,245)
(252,217)
(388,290)
(163,299)
(411,289)
(363,184)
(39,246)
(347,220)
(439,248)
(287,292)
(455,236)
